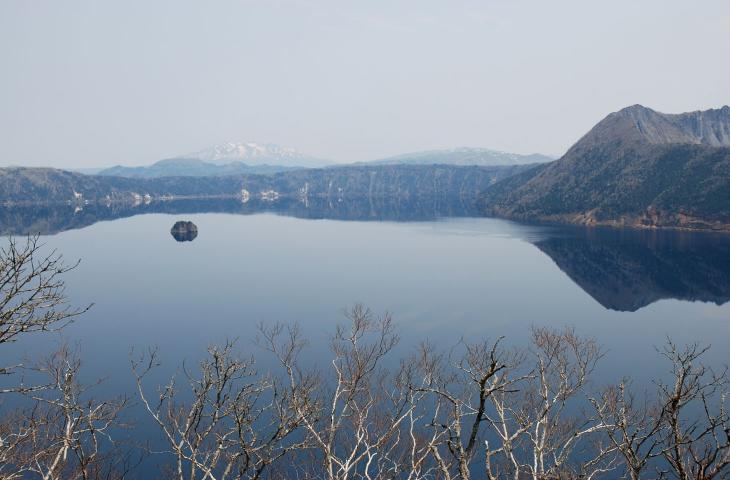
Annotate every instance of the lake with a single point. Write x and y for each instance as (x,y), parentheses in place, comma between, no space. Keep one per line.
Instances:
(441,278)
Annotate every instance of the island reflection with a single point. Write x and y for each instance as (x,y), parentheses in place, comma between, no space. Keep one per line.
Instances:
(184,231)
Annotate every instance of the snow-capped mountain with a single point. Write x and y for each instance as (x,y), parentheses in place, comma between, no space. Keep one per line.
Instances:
(254,154)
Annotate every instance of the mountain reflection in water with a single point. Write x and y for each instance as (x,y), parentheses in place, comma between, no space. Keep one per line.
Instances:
(625,270)
(50,219)
(622,269)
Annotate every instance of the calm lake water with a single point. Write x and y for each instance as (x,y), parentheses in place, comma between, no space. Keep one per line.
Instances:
(441,279)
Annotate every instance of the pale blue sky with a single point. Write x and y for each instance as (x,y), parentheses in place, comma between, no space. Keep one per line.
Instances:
(95,83)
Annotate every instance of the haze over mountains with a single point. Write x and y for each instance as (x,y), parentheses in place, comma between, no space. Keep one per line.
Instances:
(637,167)
(464,156)
(252,158)
(224,159)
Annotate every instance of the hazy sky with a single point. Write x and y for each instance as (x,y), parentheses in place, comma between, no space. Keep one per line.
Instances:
(95,83)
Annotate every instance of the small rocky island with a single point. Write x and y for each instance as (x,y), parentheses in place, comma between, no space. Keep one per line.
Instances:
(184,231)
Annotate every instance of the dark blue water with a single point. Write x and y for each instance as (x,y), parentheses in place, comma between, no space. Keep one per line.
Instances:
(441,279)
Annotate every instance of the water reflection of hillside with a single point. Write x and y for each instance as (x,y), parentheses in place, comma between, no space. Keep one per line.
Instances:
(623,270)
(50,219)
(626,270)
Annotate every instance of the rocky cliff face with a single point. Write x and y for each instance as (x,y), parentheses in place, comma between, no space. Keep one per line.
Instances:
(710,127)
(637,167)
(27,185)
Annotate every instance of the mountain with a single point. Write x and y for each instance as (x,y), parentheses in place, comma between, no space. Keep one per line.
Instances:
(87,171)
(463,156)
(24,186)
(253,158)
(224,159)
(191,167)
(637,167)
(255,154)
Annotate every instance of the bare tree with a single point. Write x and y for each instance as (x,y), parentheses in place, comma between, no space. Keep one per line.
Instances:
(460,387)
(61,431)
(236,424)
(32,295)
(477,410)
(697,444)
(633,427)
(680,431)
(65,434)
(355,422)
(515,410)
(553,410)
(439,413)
(32,289)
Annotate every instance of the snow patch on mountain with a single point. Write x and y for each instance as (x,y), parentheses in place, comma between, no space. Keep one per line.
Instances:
(252,153)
